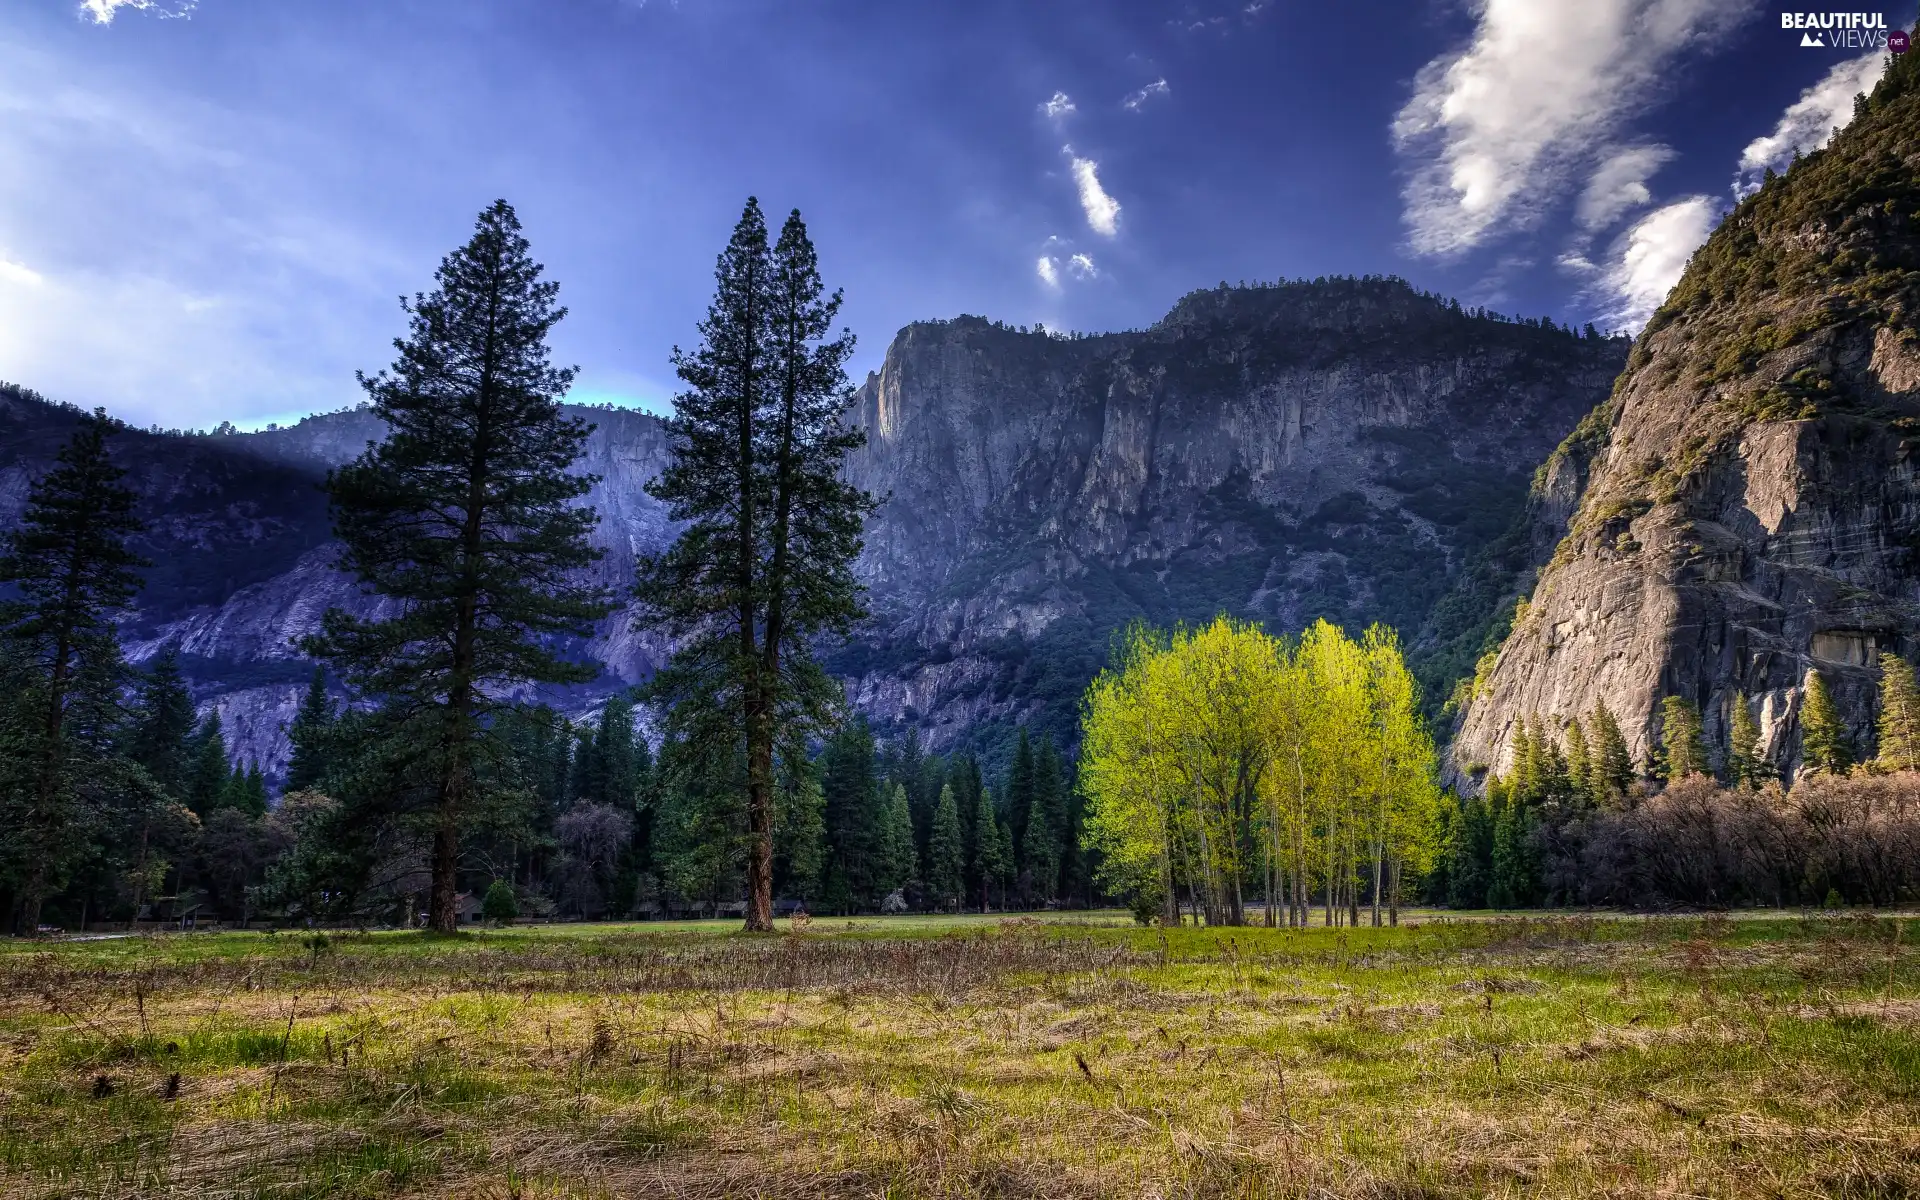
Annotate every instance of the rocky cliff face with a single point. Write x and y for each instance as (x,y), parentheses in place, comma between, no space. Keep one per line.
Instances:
(239,537)
(1753,512)
(1346,448)
(1341,448)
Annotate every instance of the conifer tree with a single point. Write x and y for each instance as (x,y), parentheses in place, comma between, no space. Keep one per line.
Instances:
(1020,798)
(1520,777)
(1515,874)
(1683,744)
(209,770)
(1004,837)
(800,830)
(465,516)
(1899,722)
(70,573)
(1470,854)
(245,791)
(308,733)
(763,566)
(1046,818)
(1611,766)
(614,755)
(163,725)
(1745,766)
(853,817)
(897,857)
(1579,769)
(1824,744)
(989,863)
(945,859)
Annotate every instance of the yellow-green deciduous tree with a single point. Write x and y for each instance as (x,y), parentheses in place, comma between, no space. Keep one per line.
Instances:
(1218,762)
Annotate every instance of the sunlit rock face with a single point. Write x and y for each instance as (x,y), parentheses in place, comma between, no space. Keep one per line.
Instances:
(1753,512)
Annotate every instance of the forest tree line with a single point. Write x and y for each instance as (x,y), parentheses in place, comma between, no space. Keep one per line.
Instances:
(435,782)
(1224,774)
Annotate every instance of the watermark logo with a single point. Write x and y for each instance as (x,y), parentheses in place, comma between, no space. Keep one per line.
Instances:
(1839,30)
(1897,41)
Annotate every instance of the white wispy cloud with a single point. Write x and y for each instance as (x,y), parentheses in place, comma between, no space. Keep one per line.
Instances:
(102,12)
(19,274)
(1809,121)
(1103,211)
(1082,266)
(1058,107)
(1618,185)
(1651,255)
(1649,258)
(1494,133)
(1136,100)
(1048,269)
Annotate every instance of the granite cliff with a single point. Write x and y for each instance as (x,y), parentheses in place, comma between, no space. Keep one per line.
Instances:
(1343,448)
(1750,509)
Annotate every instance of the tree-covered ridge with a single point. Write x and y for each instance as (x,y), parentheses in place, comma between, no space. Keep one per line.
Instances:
(1779,311)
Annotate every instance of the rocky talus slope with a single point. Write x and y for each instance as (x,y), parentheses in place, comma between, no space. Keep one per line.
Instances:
(1753,511)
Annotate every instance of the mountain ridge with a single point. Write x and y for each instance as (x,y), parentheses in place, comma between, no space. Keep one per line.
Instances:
(1337,447)
(1753,511)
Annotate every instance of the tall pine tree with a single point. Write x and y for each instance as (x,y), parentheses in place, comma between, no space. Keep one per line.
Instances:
(163,725)
(946,863)
(1824,744)
(308,733)
(1610,768)
(1683,744)
(208,771)
(764,565)
(1746,768)
(897,858)
(465,515)
(1899,722)
(988,863)
(71,573)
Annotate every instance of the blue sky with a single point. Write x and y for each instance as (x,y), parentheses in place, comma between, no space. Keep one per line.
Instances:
(207,210)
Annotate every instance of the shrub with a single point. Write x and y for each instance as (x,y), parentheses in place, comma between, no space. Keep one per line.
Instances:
(498,905)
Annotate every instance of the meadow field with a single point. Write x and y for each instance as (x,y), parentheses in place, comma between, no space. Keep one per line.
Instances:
(1561,1056)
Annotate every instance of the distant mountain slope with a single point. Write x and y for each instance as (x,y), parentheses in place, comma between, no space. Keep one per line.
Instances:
(1754,511)
(1344,448)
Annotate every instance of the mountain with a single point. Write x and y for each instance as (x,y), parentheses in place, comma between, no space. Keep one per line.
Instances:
(1750,509)
(1346,448)
(238,534)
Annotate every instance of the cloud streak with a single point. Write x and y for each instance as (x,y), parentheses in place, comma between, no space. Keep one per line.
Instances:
(1102,210)
(1048,269)
(1653,254)
(1808,122)
(102,12)
(1137,100)
(1058,107)
(1619,185)
(1494,133)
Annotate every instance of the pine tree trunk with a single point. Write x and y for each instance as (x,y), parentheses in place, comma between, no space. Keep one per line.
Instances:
(759,820)
(442,914)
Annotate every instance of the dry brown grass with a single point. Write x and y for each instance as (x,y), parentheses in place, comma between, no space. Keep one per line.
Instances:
(1572,1058)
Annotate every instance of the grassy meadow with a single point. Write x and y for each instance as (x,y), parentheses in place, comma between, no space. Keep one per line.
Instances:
(1565,1056)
